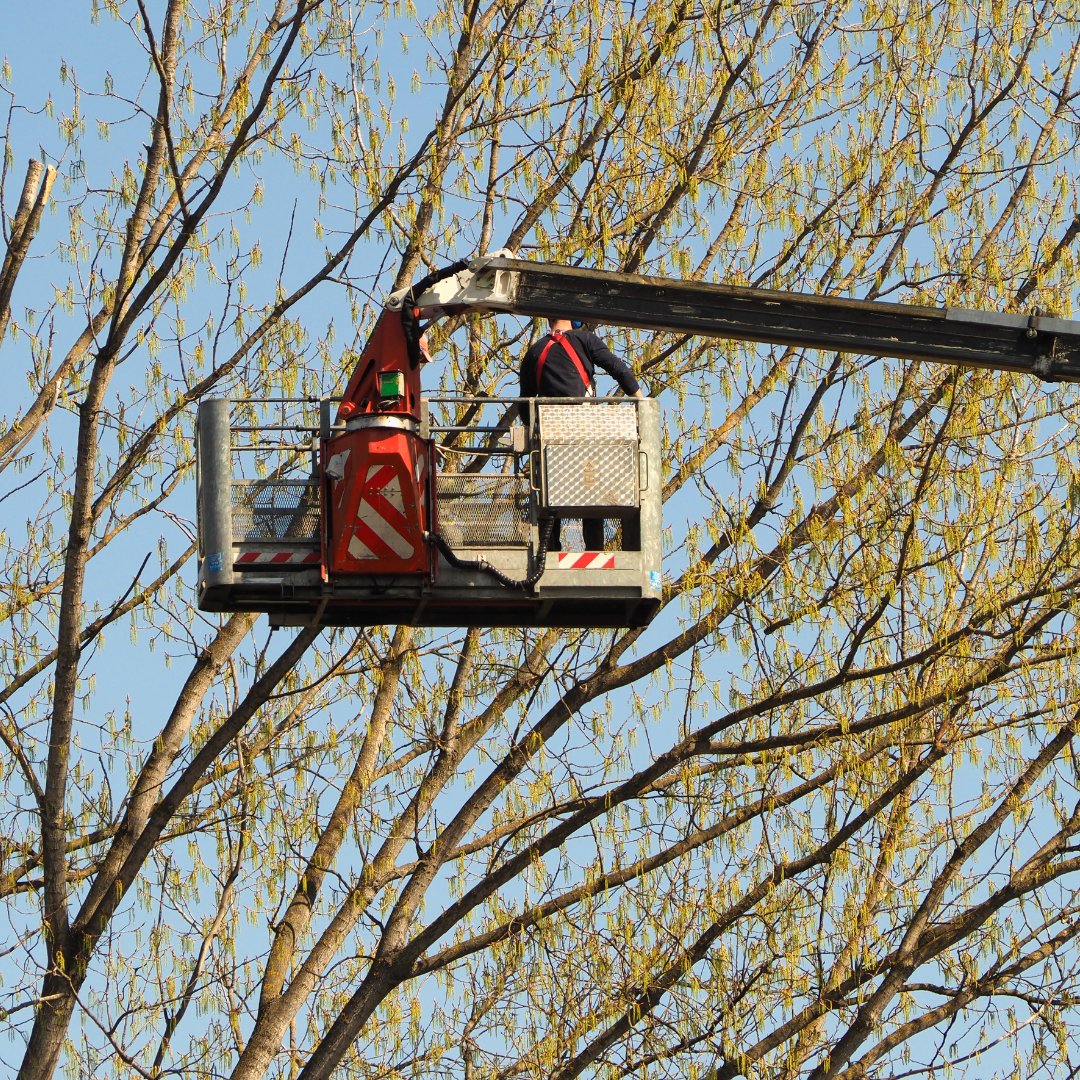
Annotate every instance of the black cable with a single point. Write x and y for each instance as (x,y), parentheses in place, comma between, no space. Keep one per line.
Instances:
(410,323)
(483,566)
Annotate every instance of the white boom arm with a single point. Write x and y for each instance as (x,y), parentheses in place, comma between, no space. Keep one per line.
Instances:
(1035,344)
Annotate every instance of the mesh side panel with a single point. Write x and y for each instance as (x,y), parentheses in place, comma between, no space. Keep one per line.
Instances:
(587,422)
(281,510)
(483,511)
(600,474)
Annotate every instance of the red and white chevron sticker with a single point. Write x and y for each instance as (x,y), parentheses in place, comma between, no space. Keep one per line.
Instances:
(271,557)
(584,560)
(382,528)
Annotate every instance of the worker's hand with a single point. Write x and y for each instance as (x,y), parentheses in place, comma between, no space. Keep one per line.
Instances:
(640,393)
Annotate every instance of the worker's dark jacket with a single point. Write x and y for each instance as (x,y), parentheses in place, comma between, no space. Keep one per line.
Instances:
(560,377)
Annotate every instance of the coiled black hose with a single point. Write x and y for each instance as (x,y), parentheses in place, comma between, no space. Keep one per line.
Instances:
(483,566)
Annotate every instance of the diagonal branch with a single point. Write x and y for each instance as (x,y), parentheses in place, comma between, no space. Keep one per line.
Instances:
(35,194)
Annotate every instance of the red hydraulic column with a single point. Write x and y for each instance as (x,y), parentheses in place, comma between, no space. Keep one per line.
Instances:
(377,472)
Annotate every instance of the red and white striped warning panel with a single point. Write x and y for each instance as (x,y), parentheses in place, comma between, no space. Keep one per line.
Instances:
(277,557)
(584,560)
(382,529)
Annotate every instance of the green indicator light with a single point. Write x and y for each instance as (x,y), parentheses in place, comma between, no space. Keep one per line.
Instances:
(391,384)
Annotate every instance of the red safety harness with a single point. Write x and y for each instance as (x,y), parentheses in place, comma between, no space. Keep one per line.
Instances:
(569,350)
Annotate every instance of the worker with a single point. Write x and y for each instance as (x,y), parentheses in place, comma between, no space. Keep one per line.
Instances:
(566,359)
(563,363)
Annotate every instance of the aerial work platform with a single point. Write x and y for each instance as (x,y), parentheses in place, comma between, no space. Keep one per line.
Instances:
(493,477)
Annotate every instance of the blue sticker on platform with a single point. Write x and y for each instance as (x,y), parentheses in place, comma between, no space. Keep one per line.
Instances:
(655,579)
(215,561)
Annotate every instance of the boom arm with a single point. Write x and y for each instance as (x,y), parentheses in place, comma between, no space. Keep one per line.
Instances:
(1034,344)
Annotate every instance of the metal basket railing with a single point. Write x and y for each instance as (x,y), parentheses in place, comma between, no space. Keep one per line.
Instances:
(483,509)
(275,511)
